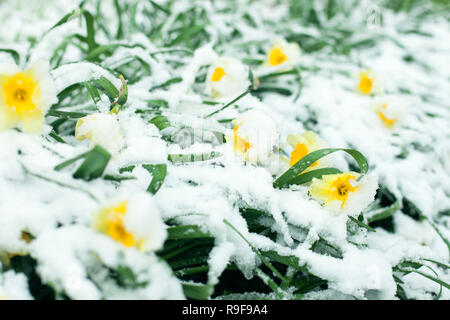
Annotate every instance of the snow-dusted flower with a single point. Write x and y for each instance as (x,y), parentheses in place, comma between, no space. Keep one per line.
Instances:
(283,53)
(25,96)
(368,83)
(254,137)
(304,144)
(102,129)
(134,222)
(227,77)
(389,110)
(344,193)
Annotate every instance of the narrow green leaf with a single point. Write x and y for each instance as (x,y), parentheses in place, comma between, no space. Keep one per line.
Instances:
(229,103)
(66,114)
(308,176)
(187,232)
(93,91)
(107,87)
(68,17)
(161,122)
(197,291)
(385,212)
(167,83)
(362,224)
(93,165)
(184,158)
(312,157)
(158,172)
(90,30)
(66,163)
(15,55)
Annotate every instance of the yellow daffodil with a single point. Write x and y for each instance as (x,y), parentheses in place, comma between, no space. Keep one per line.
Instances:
(344,192)
(254,137)
(283,54)
(101,129)
(368,83)
(389,110)
(304,144)
(25,96)
(133,223)
(226,78)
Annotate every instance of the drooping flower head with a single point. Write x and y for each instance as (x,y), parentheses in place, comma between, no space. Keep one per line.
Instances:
(134,222)
(304,144)
(254,137)
(283,54)
(25,96)
(368,83)
(344,193)
(389,110)
(227,77)
(101,129)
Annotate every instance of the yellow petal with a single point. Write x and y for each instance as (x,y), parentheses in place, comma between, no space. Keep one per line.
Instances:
(32,121)
(319,189)
(8,118)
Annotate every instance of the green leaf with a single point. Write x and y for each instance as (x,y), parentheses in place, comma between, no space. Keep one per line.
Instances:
(167,83)
(312,157)
(107,87)
(384,212)
(75,13)
(93,91)
(66,115)
(15,55)
(90,30)
(93,165)
(197,291)
(66,163)
(158,172)
(308,176)
(191,157)
(362,224)
(230,103)
(187,232)
(161,122)
(279,90)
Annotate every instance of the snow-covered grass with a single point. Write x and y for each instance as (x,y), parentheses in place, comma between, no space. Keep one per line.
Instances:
(224,149)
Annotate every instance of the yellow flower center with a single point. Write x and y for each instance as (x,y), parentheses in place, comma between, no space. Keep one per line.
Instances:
(240,144)
(333,187)
(276,57)
(341,187)
(18,91)
(217,74)
(365,84)
(386,120)
(111,222)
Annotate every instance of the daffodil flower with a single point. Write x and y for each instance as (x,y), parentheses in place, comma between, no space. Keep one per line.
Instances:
(304,144)
(344,193)
(25,96)
(134,222)
(101,129)
(226,78)
(254,137)
(283,54)
(368,83)
(389,110)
